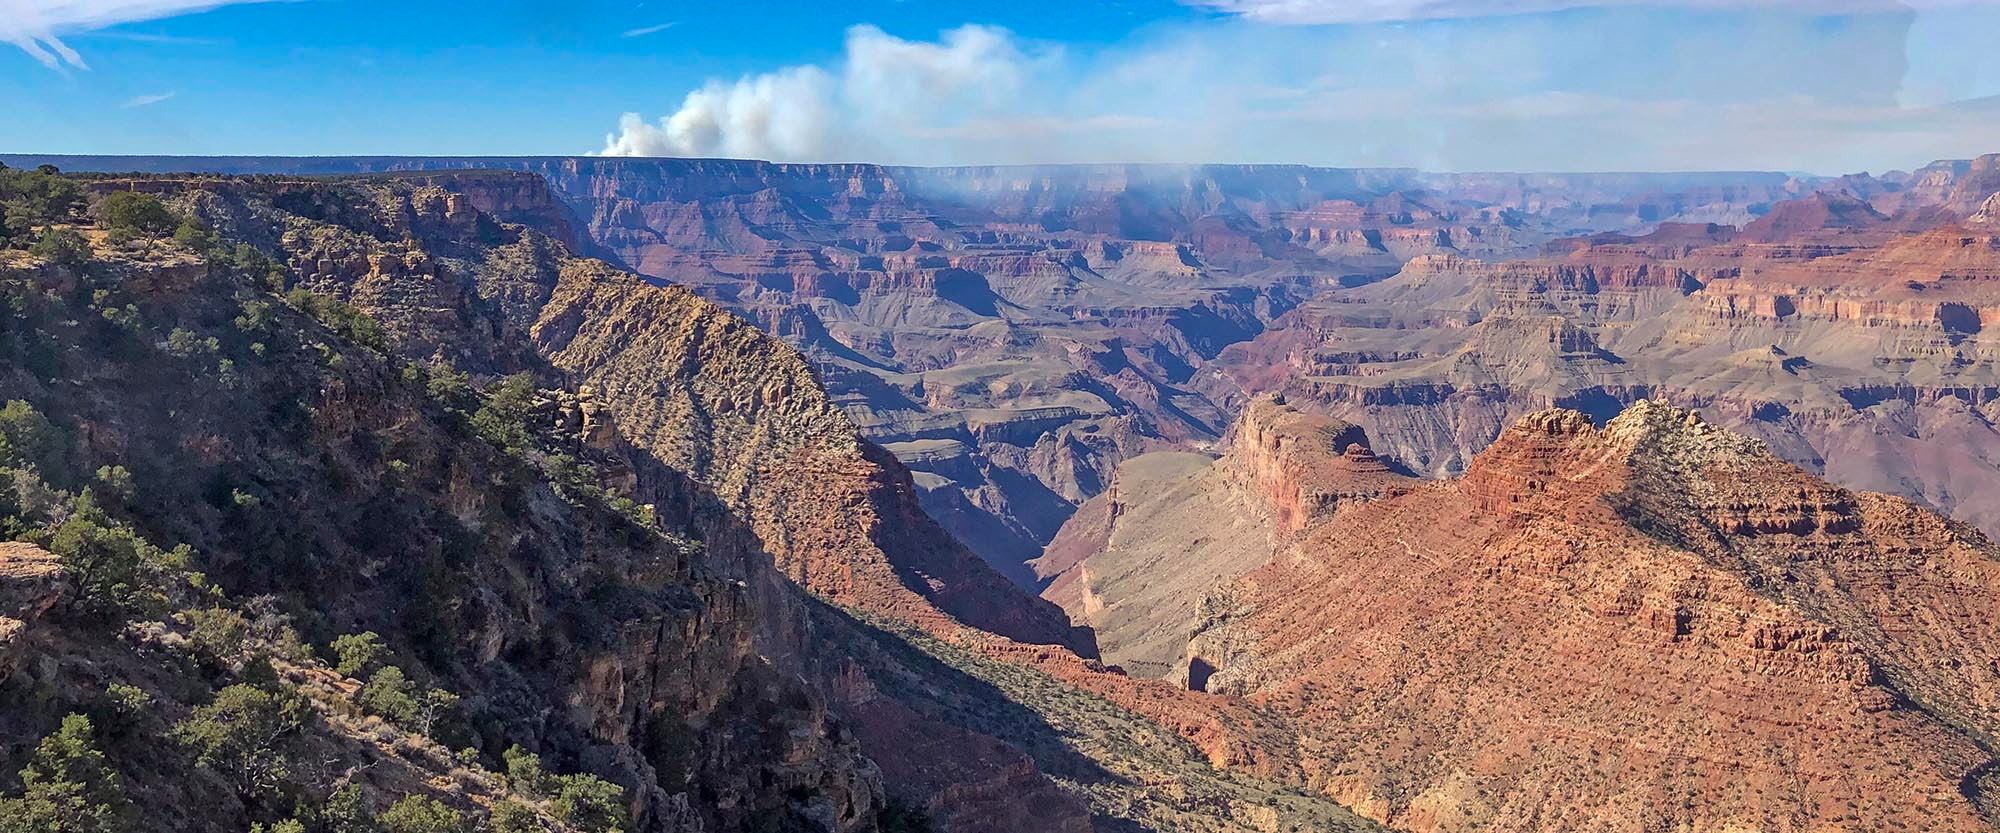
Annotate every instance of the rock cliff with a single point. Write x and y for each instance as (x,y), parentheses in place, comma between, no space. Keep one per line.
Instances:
(1653,623)
(31,582)
(1174,525)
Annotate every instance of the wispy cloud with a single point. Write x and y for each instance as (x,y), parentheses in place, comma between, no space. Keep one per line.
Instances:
(147,100)
(38,26)
(649,30)
(153,37)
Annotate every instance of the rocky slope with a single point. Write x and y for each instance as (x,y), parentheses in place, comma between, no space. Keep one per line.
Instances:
(626,525)
(1654,625)
(694,386)
(318,487)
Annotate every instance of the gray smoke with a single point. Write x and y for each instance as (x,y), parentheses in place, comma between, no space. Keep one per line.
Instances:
(886,85)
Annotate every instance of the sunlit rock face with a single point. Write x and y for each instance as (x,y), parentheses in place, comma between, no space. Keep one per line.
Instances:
(1613,627)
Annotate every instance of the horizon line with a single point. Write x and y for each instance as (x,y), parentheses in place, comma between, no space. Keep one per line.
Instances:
(5,156)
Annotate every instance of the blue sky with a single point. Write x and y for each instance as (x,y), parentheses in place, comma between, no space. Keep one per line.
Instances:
(1822,85)
(348,76)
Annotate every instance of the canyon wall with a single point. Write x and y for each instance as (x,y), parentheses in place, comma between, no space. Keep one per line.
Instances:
(1864,355)
(1012,333)
(1609,628)
(805,648)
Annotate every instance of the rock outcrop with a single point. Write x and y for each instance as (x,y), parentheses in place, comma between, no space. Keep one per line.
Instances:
(1173,526)
(31,582)
(1657,622)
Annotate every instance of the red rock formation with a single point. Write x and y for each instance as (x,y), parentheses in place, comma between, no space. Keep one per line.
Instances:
(1135,561)
(1822,216)
(1656,623)
(1302,466)
(1863,310)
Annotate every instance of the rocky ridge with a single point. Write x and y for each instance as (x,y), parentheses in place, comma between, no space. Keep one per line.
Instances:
(1611,628)
(321,487)
(1854,343)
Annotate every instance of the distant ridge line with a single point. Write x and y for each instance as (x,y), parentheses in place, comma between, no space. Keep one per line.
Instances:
(228,164)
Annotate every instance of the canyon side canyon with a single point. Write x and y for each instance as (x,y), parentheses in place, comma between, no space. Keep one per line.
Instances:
(1067,498)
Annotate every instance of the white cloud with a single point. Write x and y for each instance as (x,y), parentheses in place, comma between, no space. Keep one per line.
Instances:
(38,26)
(1384,11)
(147,100)
(649,30)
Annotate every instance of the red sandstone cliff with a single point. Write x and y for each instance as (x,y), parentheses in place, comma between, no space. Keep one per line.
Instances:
(1653,623)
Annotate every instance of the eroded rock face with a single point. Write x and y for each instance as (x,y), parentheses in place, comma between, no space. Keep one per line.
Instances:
(1174,525)
(31,582)
(1304,466)
(1855,344)
(1614,629)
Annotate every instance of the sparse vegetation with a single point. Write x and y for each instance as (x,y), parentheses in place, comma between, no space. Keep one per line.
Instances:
(390,694)
(502,417)
(63,246)
(34,198)
(218,633)
(346,811)
(128,702)
(246,734)
(340,317)
(524,772)
(590,804)
(68,788)
(128,214)
(196,237)
(29,440)
(116,481)
(358,653)
(584,801)
(106,562)
(422,814)
(511,816)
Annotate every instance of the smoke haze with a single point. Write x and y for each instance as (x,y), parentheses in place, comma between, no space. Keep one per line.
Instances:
(1721,87)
